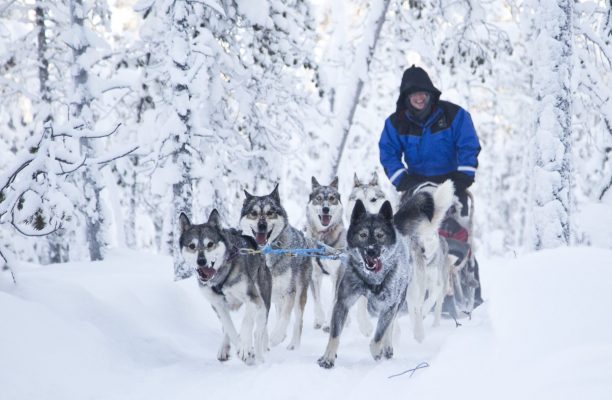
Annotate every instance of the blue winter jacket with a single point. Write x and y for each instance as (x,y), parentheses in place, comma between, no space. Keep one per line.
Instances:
(445,142)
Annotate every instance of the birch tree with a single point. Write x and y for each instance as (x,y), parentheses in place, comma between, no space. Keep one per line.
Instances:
(364,55)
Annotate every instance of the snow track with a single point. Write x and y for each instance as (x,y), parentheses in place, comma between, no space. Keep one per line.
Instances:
(122,329)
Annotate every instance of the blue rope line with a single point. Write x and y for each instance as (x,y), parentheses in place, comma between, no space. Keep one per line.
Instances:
(319,252)
(422,364)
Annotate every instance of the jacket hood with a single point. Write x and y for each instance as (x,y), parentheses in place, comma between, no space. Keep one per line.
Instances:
(415,79)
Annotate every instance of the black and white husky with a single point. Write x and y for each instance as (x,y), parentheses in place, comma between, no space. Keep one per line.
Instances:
(266,220)
(377,267)
(418,219)
(372,196)
(325,225)
(229,279)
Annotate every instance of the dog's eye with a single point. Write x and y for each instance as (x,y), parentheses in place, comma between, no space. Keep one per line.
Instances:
(270,213)
(332,198)
(192,246)
(253,214)
(210,245)
(319,198)
(380,235)
(363,235)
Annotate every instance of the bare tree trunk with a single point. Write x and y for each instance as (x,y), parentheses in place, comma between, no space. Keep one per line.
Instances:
(552,81)
(371,45)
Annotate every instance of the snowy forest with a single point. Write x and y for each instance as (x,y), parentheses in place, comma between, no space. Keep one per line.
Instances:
(118,115)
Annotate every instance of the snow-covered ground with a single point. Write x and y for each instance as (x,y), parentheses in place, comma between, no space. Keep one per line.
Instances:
(122,329)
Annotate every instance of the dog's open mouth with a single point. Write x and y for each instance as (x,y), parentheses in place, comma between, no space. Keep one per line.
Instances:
(206,273)
(325,219)
(262,237)
(372,264)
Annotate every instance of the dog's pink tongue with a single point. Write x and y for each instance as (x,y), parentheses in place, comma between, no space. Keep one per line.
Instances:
(261,238)
(206,273)
(325,219)
(374,264)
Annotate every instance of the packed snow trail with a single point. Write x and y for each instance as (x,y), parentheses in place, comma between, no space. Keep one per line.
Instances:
(122,329)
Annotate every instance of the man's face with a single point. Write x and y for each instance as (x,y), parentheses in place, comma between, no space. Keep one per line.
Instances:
(419,100)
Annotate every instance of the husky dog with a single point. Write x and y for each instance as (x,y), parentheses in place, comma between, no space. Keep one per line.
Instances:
(372,196)
(419,218)
(324,215)
(378,267)
(228,280)
(265,218)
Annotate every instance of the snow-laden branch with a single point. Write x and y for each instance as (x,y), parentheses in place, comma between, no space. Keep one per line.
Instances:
(117,155)
(74,132)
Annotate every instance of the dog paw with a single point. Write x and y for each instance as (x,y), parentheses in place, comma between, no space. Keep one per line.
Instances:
(376,350)
(388,352)
(318,325)
(223,354)
(277,338)
(247,355)
(326,328)
(293,345)
(325,362)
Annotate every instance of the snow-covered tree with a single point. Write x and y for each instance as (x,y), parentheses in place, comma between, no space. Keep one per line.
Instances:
(552,136)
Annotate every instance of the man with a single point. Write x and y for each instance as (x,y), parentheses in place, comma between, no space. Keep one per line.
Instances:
(436,139)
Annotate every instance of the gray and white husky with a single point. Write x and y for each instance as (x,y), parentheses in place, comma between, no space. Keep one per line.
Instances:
(377,267)
(419,218)
(266,220)
(370,194)
(372,197)
(229,279)
(325,225)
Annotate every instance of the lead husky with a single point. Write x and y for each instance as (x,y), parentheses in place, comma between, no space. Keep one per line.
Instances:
(325,225)
(228,280)
(419,218)
(265,218)
(372,196)
(377,267)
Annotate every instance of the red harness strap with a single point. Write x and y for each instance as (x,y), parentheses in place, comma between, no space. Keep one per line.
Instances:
(460,235)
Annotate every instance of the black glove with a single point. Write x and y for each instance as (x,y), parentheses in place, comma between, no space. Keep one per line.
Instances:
(462,181)
(407,182)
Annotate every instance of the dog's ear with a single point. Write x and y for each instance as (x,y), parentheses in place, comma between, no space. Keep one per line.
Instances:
(374,180)
(248,195)
(386,211)
(356,182)
(315,183)
(334,183)
(214,218)
(275,194)
(184,223)
(358,211)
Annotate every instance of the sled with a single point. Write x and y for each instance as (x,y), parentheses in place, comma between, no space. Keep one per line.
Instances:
(463,293)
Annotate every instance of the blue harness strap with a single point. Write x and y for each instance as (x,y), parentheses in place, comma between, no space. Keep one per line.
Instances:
(321,252)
